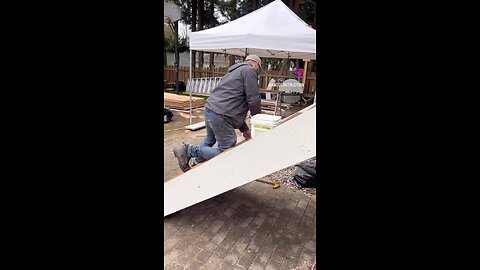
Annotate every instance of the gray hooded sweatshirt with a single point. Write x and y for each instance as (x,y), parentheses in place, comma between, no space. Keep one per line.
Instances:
(236,93)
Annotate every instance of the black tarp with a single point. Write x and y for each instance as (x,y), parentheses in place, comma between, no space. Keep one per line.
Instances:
(305,173)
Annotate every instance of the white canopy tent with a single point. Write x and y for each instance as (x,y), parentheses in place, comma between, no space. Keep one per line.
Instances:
(272,31)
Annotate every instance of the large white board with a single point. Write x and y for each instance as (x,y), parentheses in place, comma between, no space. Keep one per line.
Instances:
(289,143)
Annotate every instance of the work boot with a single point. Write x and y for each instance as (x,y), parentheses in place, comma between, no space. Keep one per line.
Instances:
(180,153)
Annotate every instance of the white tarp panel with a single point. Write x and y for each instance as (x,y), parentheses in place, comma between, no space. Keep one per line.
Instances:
(273,31)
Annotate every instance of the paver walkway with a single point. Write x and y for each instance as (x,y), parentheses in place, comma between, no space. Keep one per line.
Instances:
(250,227)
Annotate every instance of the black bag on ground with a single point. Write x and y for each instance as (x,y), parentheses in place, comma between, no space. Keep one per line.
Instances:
(305,173)
(167,115)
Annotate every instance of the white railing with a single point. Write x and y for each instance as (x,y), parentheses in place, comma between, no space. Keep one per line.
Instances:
(202,86)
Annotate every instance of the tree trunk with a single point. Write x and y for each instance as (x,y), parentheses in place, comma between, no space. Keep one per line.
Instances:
(212,14)
(200,59)
(284,66)
(194,29)
(201,14)
(212,20)
(310,66)
(212,61)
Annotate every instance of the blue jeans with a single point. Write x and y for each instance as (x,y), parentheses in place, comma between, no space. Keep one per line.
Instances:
(219,131)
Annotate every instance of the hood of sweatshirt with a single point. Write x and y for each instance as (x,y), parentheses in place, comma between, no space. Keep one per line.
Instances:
(232,68)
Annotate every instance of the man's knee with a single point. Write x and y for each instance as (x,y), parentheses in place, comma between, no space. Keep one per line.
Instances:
(227,146)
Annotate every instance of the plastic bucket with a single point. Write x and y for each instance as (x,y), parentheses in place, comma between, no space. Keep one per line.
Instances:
(261,123)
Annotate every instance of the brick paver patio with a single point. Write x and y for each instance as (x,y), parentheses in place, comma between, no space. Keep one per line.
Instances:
(250,227)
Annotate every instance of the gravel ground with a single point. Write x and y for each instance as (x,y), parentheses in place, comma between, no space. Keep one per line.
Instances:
(285,178)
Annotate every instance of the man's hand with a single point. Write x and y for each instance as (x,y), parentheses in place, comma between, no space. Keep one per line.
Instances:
(247,135)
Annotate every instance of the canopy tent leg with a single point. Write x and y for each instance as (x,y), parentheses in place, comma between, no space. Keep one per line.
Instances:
(191,89)
(304,77)
(288,63)
(305,67)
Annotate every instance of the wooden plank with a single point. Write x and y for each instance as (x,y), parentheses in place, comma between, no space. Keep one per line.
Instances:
(196,126)
(180,98)
(173,101)
(287,144)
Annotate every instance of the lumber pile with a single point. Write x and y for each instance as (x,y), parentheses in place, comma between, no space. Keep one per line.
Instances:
(173,101)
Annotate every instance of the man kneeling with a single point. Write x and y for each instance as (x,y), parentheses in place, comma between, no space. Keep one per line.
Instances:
(225,110)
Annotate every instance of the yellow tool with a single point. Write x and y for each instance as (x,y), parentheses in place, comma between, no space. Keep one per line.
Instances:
(274,185)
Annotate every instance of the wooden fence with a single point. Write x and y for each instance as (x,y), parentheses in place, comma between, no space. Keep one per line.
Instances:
(265,76)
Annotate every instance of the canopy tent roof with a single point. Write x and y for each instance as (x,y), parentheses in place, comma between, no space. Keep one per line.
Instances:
(273,31)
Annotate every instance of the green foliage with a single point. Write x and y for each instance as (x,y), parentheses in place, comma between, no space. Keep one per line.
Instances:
(234,9)
(307,11)
(275,63)
(225,11)
(169,40)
